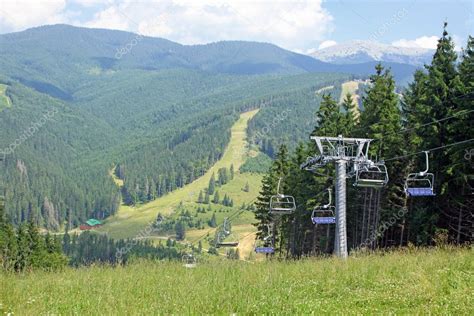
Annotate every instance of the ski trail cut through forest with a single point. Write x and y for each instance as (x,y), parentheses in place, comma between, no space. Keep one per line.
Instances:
(130,221)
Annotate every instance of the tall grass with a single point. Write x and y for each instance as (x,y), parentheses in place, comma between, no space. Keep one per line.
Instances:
(437,281)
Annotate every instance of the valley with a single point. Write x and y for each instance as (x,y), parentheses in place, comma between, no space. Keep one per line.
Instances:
(129,221)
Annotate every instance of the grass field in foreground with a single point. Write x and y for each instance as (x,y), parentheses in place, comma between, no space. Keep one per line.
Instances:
(435,281)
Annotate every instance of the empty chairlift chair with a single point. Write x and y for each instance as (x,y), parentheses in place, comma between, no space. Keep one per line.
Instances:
(189,261)
(420,183)
(372,175)
(325,214)
(281,204)
(224,234)
(265,245)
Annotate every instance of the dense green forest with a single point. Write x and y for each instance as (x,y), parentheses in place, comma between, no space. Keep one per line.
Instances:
(435,113)
(160,129)
(158,118)
(287,118)
(25,249)
(60,173)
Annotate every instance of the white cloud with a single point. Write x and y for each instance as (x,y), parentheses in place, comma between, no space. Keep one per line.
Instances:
(327,44)
(420,42)
(21,14)
(90,3)
(110,18)
(291,24)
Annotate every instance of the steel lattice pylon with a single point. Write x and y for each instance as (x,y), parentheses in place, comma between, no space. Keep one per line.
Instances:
(345,153)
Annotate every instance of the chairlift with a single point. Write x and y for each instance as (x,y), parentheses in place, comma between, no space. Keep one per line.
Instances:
(371,175)
(281,204)
(420,183)
(265,245)
(225,233)
(324,214)
(189,261)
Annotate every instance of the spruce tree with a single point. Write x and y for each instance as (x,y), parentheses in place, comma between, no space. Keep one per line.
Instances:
(180,230)
(232,171)
(247,187)
(443,89)
(23,255)
(212,185)
(459,188)
(351,114)
(212,221)
(216,198)
(381,120)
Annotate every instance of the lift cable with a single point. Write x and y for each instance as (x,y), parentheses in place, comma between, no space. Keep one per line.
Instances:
(429,150)
(403,130)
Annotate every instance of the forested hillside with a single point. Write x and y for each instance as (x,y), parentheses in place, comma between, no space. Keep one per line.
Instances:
(158,127)
(42,141)
(435,114)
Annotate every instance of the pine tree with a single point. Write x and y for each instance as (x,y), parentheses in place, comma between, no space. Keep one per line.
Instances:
(180,230)
(246,187)
(213,222)
(351,114)
(37,246)
(330,119)
(457,217)
(279,169)
(206,198)
(23,255)
(216,198)
(66,243)
(200,198)
(212,185)
(443,88)
(416,114)
(232,171)
(8,241)
(381,120)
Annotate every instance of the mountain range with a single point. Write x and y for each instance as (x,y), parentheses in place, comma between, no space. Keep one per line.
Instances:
(355,52)
(35,54)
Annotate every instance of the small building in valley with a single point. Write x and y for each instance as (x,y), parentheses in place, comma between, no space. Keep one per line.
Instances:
(91,224)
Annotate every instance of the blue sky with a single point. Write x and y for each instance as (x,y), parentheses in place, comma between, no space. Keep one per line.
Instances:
(302,25)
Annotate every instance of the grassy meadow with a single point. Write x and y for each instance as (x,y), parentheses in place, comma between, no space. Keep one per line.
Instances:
(411,281)
(5,101)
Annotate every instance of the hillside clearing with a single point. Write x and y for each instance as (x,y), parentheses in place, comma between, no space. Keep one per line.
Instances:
(129,221)
(351,87)
(430,281)
(5,101)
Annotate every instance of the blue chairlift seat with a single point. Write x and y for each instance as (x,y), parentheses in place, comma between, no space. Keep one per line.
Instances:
(323,215)
(265,250)
(324,220)
(420,183)
(420,192)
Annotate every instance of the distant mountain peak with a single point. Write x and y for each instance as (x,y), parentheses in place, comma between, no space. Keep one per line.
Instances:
(359,51)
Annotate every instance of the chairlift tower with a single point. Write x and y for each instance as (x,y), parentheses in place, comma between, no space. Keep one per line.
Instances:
(347,154)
